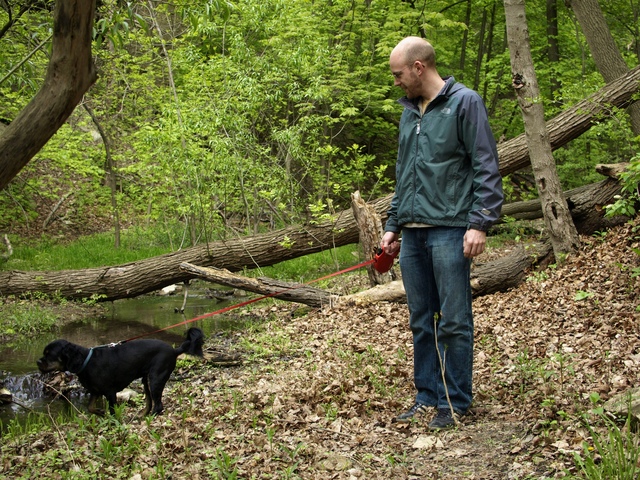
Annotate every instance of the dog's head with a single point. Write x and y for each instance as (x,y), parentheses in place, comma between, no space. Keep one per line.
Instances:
(56,356)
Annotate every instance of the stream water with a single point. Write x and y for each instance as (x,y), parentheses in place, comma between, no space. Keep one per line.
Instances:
(123,320)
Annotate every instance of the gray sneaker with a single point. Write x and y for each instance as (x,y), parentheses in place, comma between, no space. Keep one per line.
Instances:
(417,409)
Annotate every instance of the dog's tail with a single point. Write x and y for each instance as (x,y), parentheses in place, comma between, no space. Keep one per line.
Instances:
(194,338)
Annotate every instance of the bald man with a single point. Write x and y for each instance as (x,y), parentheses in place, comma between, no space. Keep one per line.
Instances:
(448,194)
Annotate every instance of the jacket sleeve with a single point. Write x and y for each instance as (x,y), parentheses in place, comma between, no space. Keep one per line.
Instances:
(481,148)
(392,214)
(392,218)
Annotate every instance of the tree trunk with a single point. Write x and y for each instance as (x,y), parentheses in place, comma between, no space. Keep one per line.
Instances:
(586,205)
(370,228)
(489,51)
(481,50)
(137,278)
(70,74)
(553,48)
(562,231)
(603,48)
(110,174)
(465,41)
(574,121)
(267,287)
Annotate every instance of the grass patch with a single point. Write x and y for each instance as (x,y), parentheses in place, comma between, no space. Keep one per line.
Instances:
(615,453)
(25,318)
(82,447)
(312,266)
(48,253)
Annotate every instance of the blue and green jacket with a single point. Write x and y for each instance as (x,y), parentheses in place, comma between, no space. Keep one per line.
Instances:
(447,168)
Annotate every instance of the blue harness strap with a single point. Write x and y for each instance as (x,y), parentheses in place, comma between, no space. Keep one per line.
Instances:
(86,361)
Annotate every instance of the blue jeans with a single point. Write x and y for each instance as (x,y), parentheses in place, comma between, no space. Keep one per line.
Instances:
(436,278)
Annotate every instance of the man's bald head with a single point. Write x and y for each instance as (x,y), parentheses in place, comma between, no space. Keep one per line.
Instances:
(411,49)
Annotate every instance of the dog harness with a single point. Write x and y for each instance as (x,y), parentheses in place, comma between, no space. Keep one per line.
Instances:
(86,361)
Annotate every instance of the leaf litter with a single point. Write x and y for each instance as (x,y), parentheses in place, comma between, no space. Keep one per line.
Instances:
(312,395)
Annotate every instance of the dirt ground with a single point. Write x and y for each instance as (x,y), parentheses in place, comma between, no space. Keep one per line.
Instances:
(543,350)
(311,394)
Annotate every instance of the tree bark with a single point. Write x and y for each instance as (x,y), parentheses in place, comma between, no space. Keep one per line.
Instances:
(603,48)
(70,74)
(268,287)
(562,232)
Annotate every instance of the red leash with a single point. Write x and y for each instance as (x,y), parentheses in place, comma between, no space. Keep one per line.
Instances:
(374,260)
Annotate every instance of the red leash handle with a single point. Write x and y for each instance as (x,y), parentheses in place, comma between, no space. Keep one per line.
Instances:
(383,261)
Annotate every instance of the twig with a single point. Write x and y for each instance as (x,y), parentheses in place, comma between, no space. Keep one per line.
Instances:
(31,410)
(55,209)
(443,368)
(9,252)
(62,437)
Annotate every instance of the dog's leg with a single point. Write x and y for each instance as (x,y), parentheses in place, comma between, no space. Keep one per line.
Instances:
(92,405)
(157,381)
(147,396)
(111,402)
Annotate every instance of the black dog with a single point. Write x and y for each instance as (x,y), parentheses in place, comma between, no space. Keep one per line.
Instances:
(106,370)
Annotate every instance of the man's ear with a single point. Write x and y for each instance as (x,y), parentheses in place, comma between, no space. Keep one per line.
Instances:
(419,67)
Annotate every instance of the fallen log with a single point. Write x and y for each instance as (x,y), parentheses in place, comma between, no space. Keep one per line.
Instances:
(574,121)
(291,292)
(586,204)
(137,278)
(487,278)
(144,276)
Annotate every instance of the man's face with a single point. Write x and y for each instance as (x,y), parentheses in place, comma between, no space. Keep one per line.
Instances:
(404,76)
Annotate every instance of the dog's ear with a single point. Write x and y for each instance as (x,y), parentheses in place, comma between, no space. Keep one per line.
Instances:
(71,357)
(54,349)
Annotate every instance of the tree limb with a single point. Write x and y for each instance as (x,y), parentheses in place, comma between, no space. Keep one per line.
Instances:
(70,73)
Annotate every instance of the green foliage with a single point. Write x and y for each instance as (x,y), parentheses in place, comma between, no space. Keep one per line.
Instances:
(582,295)
(235,117)
(96,250)
(222,466)
(108,447)
(615,453)
(25,318)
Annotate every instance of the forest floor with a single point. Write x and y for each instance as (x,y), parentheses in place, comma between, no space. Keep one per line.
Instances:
(313,392)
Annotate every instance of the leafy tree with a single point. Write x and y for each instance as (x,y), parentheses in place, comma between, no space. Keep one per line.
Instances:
(230,117)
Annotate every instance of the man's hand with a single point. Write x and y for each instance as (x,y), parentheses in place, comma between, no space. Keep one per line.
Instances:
(474,242)
(389,243)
